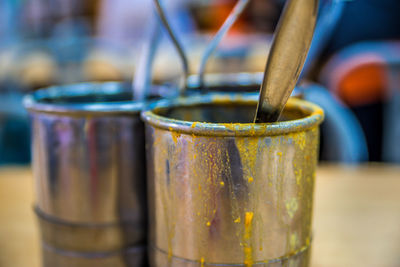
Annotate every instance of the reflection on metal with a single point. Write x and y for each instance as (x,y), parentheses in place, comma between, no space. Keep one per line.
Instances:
(175,41)
(287,56)
(238,9)
(88,165)
(223,191)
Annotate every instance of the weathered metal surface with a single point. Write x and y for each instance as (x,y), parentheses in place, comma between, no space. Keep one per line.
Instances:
(89,169)
(223,191)
(88,237)
(88,154)
(133,256)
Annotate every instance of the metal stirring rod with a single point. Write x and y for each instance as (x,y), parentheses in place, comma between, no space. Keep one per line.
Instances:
(237,10)
(234,15)
(286,59)
(177,44)
(142,79)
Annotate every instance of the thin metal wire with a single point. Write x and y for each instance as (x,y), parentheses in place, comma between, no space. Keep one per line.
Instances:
(142,80)
(233,16)
(176,43)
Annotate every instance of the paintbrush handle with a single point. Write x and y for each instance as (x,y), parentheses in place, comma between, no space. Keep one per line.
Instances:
(286,59)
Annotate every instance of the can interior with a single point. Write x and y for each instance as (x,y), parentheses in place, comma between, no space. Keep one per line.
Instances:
(224,113)
(87,98)
(93,93)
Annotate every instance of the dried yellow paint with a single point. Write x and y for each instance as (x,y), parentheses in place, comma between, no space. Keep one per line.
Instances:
(175,136)
(294,240)
(222,183)
(229,126)
(248,219)
(208,224)
(237,220)
(299,139)
(291,207)
(250,180)
(299,174)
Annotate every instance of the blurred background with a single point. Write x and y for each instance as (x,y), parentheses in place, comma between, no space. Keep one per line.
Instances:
(353,69)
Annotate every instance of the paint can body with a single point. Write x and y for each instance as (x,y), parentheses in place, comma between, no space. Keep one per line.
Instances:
(89,175)
(226,192)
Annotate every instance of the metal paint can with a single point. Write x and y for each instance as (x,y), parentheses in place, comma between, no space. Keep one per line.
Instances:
(226,192)
(89,173)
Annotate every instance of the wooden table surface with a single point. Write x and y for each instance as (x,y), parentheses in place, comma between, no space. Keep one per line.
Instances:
(356,218)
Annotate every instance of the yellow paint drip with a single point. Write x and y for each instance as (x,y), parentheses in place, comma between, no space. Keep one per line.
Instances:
(222,183)
(299,174)
(248,251)
(237,220)
(208,224)
(175,136)
(293,241)
(248,148)
(250,180)
(202,262)
(194,124)
(248,219)
(169,253)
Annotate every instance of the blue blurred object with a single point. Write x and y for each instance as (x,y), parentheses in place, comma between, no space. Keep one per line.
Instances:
(330,12)
(378,108)
(366,20)
(9,22)
(343,137)
(391,137)
(14,130)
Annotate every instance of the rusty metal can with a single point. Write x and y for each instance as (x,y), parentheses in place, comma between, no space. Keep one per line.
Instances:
(226,192)
(89,170)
